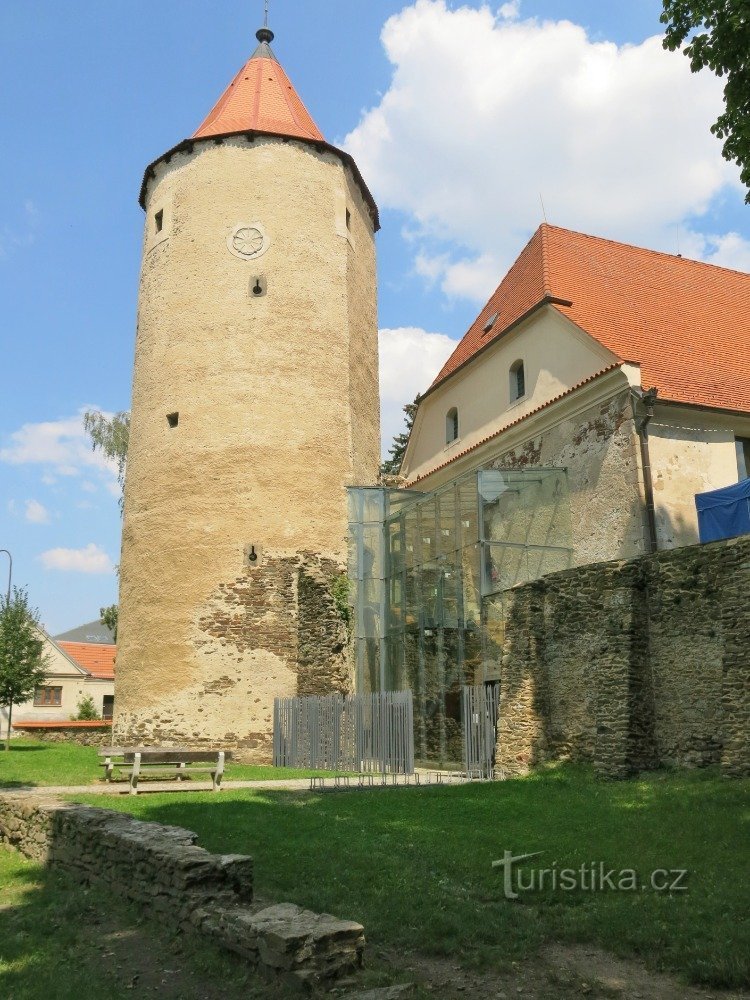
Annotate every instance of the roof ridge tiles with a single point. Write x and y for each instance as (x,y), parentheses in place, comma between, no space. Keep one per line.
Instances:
(647,250)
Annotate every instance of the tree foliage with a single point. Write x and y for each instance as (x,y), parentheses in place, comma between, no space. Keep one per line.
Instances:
(108,616)
(391,466)
(23,662)
(110,436)
(719,37)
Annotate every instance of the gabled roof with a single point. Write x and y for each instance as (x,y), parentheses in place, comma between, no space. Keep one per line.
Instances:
(261,98)
(95,658)
(686,323)
(96,632)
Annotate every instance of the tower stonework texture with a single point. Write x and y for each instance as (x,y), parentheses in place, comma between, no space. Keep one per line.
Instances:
(255,404)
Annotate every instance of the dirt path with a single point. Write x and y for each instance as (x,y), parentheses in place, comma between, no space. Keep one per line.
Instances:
(560,972)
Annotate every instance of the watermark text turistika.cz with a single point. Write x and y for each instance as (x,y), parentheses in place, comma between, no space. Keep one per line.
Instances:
(591,876)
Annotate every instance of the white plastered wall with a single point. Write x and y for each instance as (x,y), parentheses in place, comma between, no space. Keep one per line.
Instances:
(556,356)
(692,451)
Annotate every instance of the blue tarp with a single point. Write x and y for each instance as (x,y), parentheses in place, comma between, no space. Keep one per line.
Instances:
(724,513)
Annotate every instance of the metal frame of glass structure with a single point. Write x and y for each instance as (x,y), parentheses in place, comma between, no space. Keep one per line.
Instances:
(428,571)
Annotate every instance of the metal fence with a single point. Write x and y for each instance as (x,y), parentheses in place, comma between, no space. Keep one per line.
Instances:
(372,732)
(479,707)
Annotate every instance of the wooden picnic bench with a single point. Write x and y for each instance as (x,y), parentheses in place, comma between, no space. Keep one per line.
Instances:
(172,762)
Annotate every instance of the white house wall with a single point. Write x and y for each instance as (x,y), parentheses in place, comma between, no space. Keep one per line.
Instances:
(556,356)
(692,451)
(74,689)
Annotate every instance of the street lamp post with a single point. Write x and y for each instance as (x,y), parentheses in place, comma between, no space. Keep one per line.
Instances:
(10,570)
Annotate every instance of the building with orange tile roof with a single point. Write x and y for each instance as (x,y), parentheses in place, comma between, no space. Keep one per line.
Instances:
(627,367)
(75,671)
(97,659)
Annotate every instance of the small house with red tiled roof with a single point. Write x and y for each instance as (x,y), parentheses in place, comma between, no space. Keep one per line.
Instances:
(75,670)
(626,367)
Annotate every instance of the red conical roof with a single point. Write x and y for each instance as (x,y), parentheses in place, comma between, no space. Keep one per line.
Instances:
(261,99)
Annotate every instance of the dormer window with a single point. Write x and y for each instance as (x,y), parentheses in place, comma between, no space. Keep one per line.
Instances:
(451,425)
(491,322)
(517,381)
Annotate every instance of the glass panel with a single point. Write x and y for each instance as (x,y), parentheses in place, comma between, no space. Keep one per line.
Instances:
(505,565)
(439,563)
(451,580)
(446,520)
(412,603)
(431,583)
(395,679)
(411,533)
(471,588)
(398,500)
(396,545)
(468,508)
(428,530)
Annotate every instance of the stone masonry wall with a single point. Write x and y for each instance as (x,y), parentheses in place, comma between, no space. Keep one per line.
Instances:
(272,631)
(162,868)
(631,664)
(96,736)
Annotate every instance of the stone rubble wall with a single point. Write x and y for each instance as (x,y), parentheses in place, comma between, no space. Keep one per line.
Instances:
(273,631)
(94,737)
(630,665)
(163,868)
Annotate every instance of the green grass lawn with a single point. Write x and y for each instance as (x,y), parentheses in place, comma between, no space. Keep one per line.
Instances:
(414,866)
(62,941)
(34,763)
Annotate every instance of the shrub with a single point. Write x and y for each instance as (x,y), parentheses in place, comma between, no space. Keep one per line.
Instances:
(86,710)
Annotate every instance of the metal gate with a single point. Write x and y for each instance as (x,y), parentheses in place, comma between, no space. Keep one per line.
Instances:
(373,732)
(479,706)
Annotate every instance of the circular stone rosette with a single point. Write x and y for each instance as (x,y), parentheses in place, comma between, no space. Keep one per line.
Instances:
(248,241)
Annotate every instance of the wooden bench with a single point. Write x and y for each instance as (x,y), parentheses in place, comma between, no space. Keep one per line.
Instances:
(172,762)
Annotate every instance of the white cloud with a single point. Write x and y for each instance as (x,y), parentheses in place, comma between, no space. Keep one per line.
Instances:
(410,358)
(61,447)
(90,559)
(730,250)
(23,235)
(510,11)
(36,513)
(486,111)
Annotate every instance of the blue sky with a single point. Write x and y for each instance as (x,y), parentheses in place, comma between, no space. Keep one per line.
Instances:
(459,116)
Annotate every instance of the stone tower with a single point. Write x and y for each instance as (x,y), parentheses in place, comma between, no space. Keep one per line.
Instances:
(255,404)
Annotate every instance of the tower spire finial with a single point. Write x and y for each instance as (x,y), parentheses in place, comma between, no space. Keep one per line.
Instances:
(265,34)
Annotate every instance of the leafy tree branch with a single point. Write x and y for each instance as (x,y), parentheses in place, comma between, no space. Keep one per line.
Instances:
(718,33)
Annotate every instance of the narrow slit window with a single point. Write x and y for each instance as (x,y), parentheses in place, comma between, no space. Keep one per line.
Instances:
(348,219)
(517,381)
(451,425)
(159,220)
(173,419)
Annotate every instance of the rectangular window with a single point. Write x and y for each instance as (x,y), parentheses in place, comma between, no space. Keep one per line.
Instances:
(159,220)
(48,696)
(743,457)
(348,219)
(108,706)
